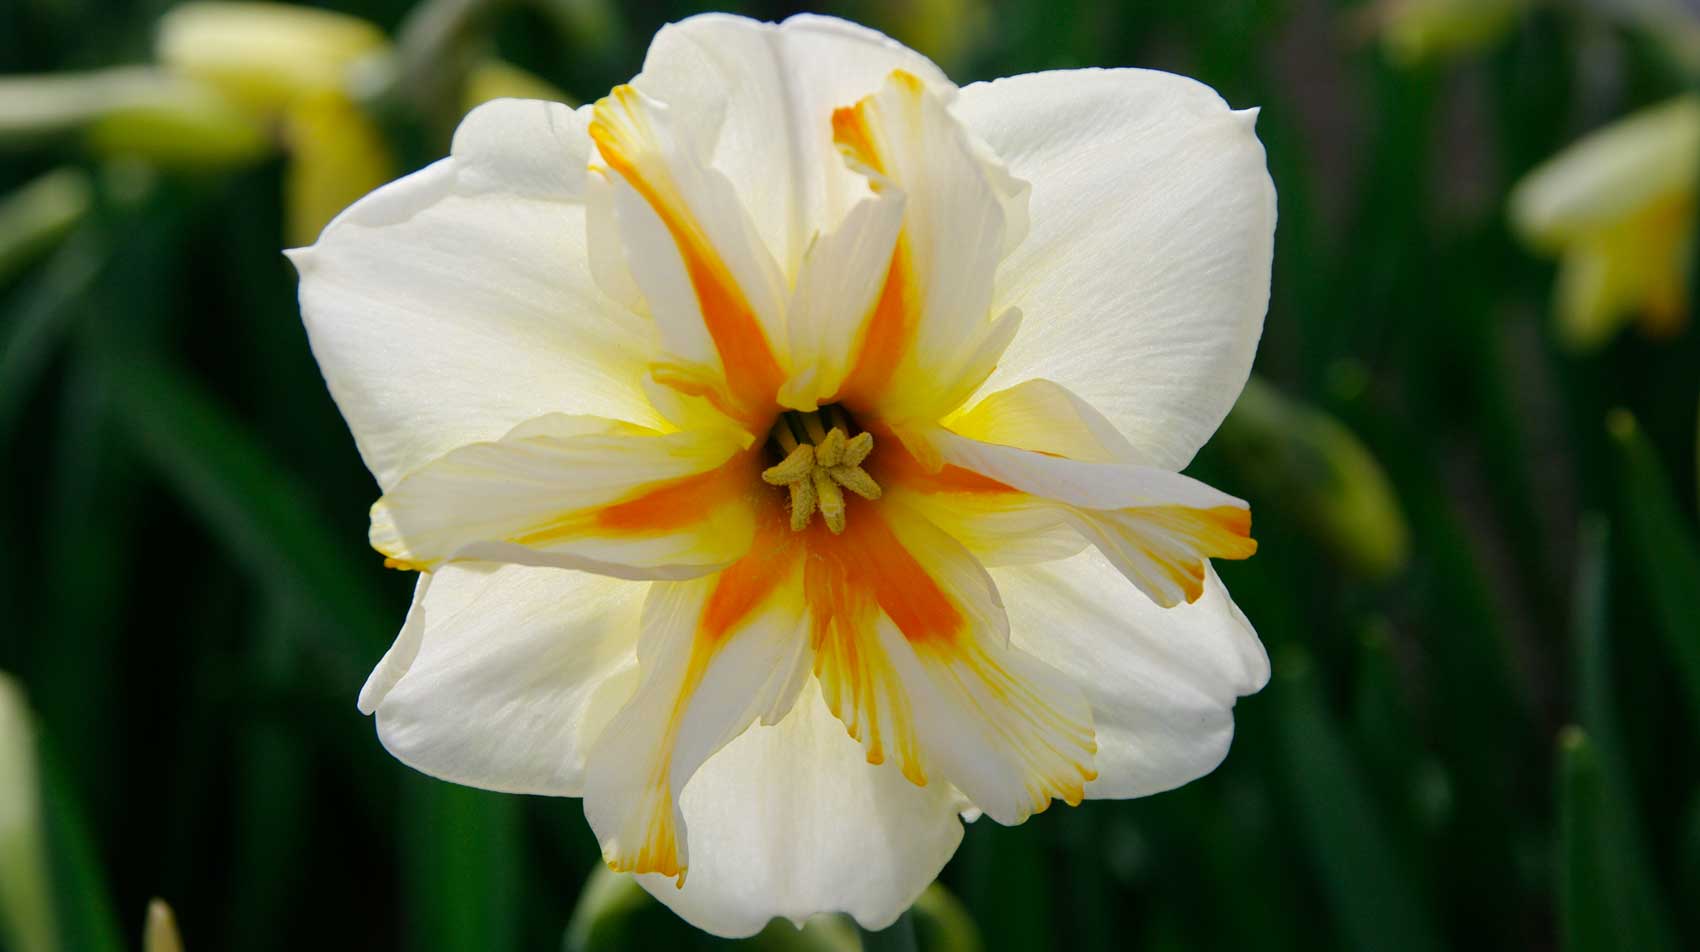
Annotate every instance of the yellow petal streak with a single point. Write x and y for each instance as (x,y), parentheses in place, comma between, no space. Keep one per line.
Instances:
(738,594)
(1163,549)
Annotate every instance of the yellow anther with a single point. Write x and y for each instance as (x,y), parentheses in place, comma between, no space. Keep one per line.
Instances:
(855,479)
(802,503)
(796,466)
(830,452)
(817,474)
(829,500)
(858,448)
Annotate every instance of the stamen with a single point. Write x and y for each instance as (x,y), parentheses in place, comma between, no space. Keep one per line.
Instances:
(830,500)
(802,503)
(830,451)
(858,449)
(819,464)
(794,467)
(855,479)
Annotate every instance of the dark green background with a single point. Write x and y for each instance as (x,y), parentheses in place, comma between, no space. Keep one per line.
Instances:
(189,600)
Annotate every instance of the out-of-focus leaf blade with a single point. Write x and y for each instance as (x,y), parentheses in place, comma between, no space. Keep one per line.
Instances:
(1606,898)
(461,867)
(1662,542)
(87,918)
(1374,899)
(39,322)
(246,498)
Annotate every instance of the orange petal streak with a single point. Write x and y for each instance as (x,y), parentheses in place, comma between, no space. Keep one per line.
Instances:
(888,329)
(738,592)
(743,586)
(849,580)
(1223,532)
(667,507)
(753,375)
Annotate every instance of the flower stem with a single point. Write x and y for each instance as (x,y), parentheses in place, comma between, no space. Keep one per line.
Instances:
(897,937)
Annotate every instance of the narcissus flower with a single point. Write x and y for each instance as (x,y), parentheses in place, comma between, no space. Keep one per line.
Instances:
(1618,209)
(789,447)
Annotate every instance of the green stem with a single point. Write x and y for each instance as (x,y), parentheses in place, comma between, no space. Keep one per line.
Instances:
(897,937)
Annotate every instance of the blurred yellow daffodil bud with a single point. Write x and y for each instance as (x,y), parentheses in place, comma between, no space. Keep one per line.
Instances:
(946,922)
(948,31)
(26,909)
(295,68)
(1617,209)
(130,110)
(159,933)
(265,55)
(191,128)
(336,154)
(495,79)
(1414,32)
(1312,467)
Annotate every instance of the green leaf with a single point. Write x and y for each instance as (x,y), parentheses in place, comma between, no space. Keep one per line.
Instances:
(34,218)
(461,862)
(1662,543)
(245,496)
(1605,893)
(38,324)
(87,918)
(1005,881)
(1375,902)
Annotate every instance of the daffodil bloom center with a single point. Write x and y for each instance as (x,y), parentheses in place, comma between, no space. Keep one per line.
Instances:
(817,464)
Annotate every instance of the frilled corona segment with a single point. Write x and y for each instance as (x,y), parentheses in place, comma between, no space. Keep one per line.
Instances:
(819,459)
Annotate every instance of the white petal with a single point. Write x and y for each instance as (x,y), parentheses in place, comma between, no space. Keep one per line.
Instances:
(998,528)
(842,277)
(1044,417)
(577,492)
(516,671)
(399,658)
(929,343)
(711,285)
(1160,528)
(1092,485)
(761,97)
(1145,273)
(449,306)
(1161,682)
(791,821)
(552,165)
(700,688)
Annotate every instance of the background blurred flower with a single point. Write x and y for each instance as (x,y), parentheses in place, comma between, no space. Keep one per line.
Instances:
(159,934)
(26,903)
(1617,207)
(1308,464)
(1415,32)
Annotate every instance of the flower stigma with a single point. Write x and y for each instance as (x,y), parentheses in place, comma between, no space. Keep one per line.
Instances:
(818,464)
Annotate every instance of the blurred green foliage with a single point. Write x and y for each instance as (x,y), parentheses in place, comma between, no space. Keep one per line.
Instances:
(191,607)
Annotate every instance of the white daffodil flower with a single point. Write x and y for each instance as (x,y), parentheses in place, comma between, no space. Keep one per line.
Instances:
(789,445)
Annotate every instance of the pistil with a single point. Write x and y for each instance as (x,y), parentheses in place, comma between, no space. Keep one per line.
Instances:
(819,464)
